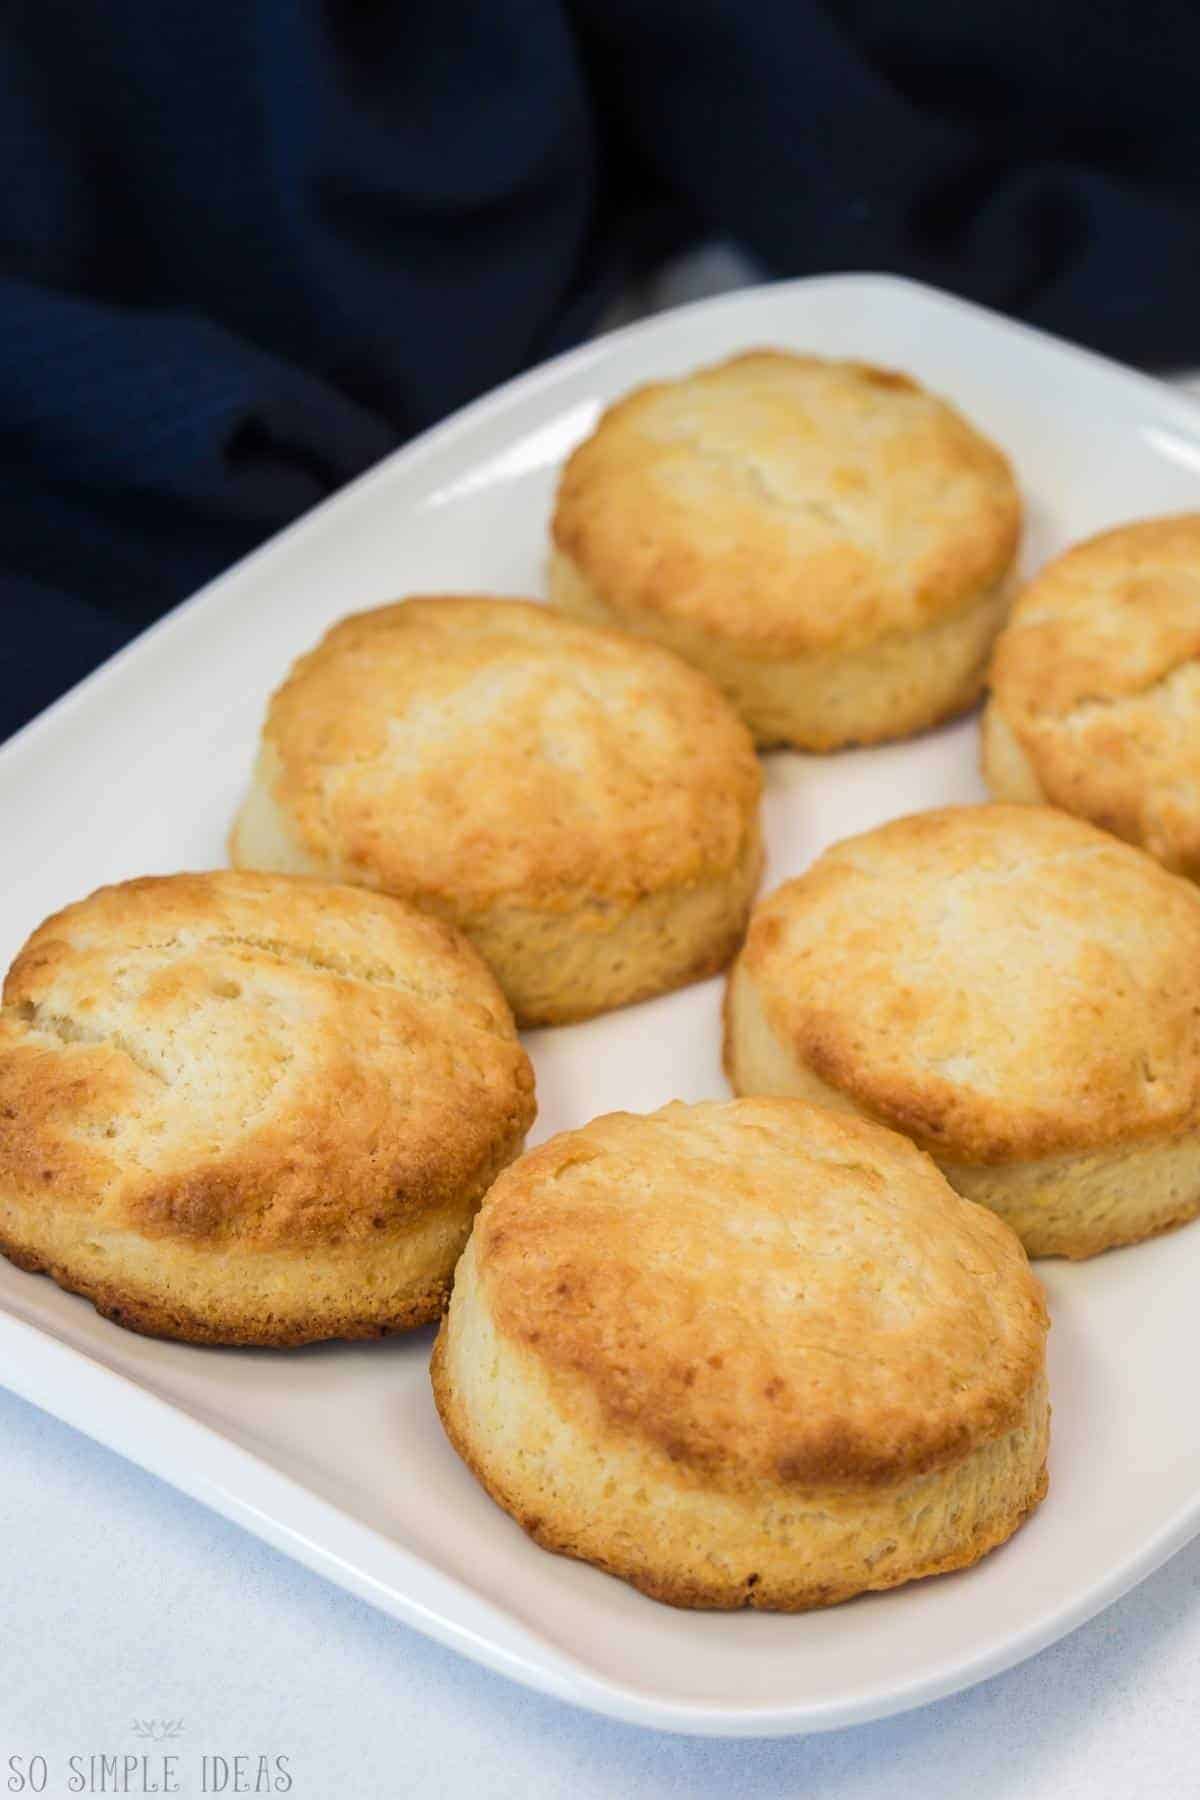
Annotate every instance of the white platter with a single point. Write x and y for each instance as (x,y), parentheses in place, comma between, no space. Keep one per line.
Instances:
(334,1454)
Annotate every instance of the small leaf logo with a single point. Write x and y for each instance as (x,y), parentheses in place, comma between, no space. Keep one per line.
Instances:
(158,1731)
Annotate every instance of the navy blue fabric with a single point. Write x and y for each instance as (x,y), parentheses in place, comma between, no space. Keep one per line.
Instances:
(246,250)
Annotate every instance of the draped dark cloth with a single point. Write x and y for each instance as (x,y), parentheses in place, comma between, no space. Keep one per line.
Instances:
(245,250)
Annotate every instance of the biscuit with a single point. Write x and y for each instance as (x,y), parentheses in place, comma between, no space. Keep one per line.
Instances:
(829,541)
(583,806)
(1095,689)
(246,1109)
(746,1354)
(1014,989)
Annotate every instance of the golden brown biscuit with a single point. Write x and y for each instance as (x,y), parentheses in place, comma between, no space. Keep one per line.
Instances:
(1016,990)
(828,541)
(1095,689)
(245,1109)
(746,1354)
(584,807)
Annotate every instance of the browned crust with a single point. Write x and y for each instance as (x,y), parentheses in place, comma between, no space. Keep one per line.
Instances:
(856,1021)
(252,1062)
(716,1596)
(492,817)
(1143,579)
(1097,677)
(647,549)
(579,1267)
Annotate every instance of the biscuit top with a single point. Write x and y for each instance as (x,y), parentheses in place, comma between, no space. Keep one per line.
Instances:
(1098,676)
(489,749)
(997,981)
(788,503)
(254,1060)
(763,1290)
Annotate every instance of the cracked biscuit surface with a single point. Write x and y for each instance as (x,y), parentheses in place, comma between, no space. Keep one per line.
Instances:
(251,1109)
(1016,990)
(1095,689)
(752,1353)
(828,540)
(583,806)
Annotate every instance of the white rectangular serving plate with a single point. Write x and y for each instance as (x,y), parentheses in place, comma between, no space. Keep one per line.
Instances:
(334,1454)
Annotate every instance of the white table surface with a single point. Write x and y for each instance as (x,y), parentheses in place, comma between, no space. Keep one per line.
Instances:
(120,1600)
